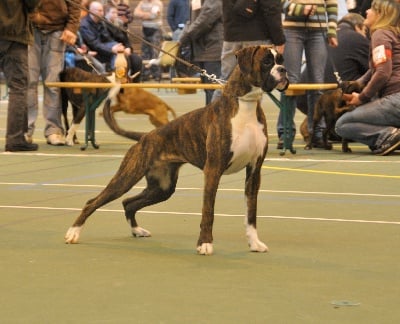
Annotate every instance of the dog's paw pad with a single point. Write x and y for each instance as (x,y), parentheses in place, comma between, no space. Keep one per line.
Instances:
(72,235)
(205,249)
(140,232)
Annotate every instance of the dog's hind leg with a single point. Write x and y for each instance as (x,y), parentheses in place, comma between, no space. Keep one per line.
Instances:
(161,184)
(251,192)
(130,172)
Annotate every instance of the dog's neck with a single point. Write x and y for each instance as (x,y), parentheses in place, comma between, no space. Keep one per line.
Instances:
(254,95)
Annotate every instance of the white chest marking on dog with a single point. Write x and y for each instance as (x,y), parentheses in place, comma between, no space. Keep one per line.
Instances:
(248,138)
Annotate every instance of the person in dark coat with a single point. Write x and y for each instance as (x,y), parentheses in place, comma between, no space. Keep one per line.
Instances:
(205,33)
(97,37)
(263,28)
(16,34)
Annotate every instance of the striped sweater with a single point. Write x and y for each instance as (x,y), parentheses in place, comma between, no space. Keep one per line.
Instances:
(325,17)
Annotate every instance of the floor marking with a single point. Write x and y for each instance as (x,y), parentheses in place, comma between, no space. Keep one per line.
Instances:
(327,193)
(96,154)
(341,220)
(334,172)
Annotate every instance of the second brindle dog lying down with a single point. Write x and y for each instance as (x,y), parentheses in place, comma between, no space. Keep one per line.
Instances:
(331,105)
(128,100)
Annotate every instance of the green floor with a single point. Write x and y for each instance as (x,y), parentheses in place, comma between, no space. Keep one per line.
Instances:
(331,221)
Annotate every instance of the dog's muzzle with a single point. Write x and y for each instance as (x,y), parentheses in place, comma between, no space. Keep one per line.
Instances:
(280,79)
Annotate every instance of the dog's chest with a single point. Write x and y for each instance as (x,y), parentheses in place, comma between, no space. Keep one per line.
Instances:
(248,138)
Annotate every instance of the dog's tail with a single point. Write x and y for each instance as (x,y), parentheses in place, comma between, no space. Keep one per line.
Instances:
(112,123)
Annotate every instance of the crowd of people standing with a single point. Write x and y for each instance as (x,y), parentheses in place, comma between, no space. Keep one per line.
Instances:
(38,35)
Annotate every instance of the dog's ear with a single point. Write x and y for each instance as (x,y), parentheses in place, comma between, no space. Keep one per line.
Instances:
(245,57)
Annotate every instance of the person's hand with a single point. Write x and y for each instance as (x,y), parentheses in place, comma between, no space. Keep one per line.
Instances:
(352,99)
(118,48)
(280,48)
(127,51)
(68,37)
(333,42)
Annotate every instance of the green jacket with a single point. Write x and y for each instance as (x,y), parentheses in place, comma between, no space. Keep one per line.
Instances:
(14,23)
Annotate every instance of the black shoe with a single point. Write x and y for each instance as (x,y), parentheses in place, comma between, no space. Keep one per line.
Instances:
(389,144)
(22,147)
(318,144)
(279,146)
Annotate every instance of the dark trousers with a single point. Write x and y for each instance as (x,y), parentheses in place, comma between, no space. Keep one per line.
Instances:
(14,64)
(212,67)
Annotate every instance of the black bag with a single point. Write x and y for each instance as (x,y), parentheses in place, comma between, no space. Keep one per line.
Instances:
(245,8)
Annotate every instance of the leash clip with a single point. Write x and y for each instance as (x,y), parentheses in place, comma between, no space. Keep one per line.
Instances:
(212,77)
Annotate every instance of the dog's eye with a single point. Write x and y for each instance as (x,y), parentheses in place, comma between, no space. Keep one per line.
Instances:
(267,61)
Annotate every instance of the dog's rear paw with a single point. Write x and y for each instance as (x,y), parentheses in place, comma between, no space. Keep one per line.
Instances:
(205,249)
(72,235)
(258,246)
(308,147)
(254,243)
(140,232)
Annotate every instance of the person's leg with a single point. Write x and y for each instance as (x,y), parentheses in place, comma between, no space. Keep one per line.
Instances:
(34,54)
(14,58)
(228,62)
(293,56)
(372,123)
(135,65)
(316,53)
(213,67)
(52,64)
(156,40)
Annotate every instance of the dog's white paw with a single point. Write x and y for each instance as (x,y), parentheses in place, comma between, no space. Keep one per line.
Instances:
(258,246)
(205,249)
(140,232)
(72,235)
(69,141)
(254,243)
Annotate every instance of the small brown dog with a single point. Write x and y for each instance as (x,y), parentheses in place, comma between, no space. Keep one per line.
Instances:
(128,100)
(331,105)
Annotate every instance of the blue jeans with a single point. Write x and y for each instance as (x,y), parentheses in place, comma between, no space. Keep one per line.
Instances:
(372,122)
(45,61)
(228,58)
(313,45)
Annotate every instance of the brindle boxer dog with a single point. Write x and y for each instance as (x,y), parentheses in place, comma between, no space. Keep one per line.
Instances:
(224,137)
(129,100)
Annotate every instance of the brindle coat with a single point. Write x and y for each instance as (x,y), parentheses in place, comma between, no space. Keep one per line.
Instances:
(222,138)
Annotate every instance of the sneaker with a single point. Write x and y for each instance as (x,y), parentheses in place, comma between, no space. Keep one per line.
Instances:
(24,147)
(389,144)
(56,139)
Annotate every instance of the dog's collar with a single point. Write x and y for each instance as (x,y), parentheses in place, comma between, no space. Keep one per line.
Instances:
(254,95)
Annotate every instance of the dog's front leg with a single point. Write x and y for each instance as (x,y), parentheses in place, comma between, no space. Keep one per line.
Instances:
(204,244)
(251,192)
(70,139)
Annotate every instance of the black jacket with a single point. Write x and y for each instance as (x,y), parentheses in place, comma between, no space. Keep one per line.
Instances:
(205,31)
(266,24)
(97,37)
(350,57)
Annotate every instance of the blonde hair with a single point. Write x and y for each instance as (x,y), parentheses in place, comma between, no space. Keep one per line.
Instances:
(389,15)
